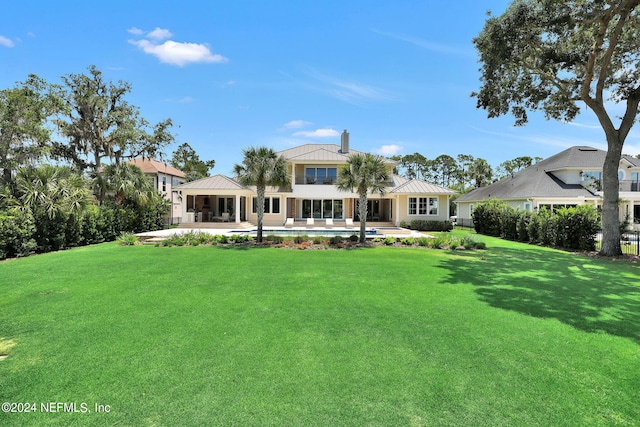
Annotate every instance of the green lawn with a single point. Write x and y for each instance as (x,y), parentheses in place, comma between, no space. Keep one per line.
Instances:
(515,335)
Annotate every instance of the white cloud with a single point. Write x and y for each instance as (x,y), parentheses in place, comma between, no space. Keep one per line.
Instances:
(159,34)
(296,124)
(318,133)
(352,92)
(172,52)
(388,150)
(429,45)
(180,54)
(6,42)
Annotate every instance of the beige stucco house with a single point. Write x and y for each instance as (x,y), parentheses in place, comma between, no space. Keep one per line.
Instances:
(164,179)
(313,169)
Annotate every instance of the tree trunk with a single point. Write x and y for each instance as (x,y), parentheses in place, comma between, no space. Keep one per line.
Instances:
(362,211)
(610,206)
(6,176)
(260,189)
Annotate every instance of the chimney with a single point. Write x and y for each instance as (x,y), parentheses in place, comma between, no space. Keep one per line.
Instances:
(344,142)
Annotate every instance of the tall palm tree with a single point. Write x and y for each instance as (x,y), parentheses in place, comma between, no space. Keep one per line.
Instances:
(123,181)
(365,173)
(261,167)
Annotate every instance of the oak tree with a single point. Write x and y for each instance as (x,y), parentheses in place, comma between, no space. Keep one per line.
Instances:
(554,56)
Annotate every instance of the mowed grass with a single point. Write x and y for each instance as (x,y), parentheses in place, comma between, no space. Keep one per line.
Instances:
(514,336)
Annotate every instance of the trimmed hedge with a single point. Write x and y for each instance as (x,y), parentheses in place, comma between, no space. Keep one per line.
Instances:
(25,232)
(424,225)
(569,228)
(16,234)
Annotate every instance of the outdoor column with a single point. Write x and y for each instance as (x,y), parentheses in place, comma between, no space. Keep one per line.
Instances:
(237,208)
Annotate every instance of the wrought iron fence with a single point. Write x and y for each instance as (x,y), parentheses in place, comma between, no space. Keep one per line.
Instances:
(629,242)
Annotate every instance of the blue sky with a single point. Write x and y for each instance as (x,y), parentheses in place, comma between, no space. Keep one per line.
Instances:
(396,74)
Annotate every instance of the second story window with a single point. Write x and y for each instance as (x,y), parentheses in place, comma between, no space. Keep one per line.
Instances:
(322,176)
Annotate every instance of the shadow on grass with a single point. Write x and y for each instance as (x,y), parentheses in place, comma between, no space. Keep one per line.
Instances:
(588,294)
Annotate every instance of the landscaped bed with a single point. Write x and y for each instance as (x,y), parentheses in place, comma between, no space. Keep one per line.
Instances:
(239,335)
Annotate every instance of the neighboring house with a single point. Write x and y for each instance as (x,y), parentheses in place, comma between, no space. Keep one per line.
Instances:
(164,178)
(313,169)
(569,178)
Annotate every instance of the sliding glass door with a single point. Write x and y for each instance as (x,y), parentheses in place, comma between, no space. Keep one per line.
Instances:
(319,208)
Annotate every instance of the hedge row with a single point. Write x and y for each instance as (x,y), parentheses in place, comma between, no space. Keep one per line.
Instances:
(423,225)
(22,233)
(569,228)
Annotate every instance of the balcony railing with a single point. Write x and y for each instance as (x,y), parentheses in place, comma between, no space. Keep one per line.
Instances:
(624,185)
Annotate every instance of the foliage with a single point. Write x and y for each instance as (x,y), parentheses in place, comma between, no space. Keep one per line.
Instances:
(187,160)
(551,56)
(363,173)
(262,167)
(101,124)
(570,228)
(127,239)
(24,111)
(389,240)
(16,234)
(426,225)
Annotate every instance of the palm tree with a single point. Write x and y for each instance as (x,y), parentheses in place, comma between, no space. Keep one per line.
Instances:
(365,173)
(262,166)
(124,181)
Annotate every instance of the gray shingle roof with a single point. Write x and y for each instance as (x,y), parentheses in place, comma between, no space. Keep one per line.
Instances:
(538,180)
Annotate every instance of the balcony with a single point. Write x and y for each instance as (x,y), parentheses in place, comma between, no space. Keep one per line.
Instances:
(312,180)
(629,186)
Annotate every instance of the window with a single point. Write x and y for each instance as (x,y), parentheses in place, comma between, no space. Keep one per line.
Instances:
(318,208)
(271,205)
(423,206)
(324,176)
(433,206)
(591,175)
(164,184)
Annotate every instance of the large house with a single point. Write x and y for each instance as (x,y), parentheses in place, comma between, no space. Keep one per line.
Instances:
(164,179)
(569,178)
(313,169)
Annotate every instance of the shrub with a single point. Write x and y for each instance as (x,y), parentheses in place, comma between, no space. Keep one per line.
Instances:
(408,241)
(423,225)
(336,240)
(354,238)
(273,238)
(301,238)
(389,240)
(127,239)
(16,234)
(423,241)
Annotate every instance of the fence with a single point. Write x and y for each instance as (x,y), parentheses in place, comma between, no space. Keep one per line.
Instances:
(629,242)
